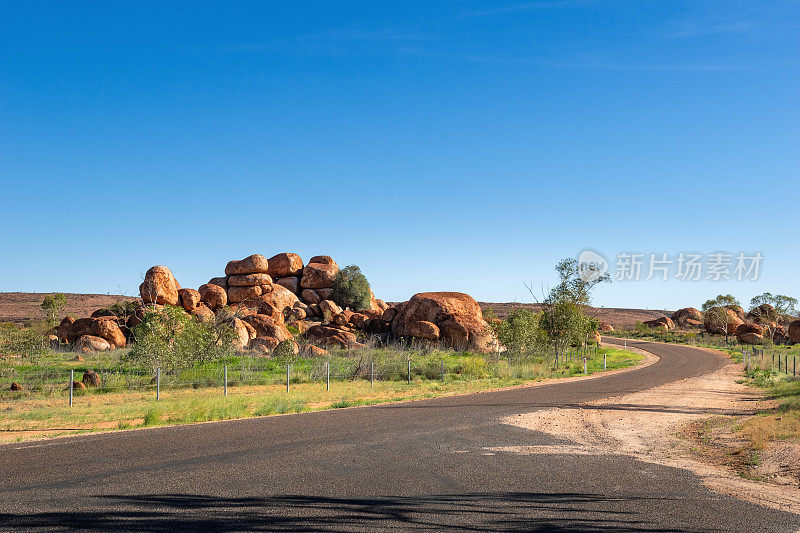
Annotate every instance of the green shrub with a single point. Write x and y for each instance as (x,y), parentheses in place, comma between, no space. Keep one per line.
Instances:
(52,304)
(474,367)
(153,416)
(520,332)
(29,342)
(351,289)
(173,340)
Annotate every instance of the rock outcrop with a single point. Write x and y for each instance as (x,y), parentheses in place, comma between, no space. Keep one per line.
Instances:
(214,296)
(319,275)
(721,320)
(254,264)
(762,314)
(793,333)
(456,315)
(687,317)
(664,323)
(159,286)
(285,264)
(90,343)
(749,333)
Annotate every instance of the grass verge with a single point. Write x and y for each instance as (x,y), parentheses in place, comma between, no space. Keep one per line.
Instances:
(29,416)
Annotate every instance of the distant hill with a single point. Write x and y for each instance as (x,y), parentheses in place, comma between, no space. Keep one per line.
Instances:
(615,316)
(24,307)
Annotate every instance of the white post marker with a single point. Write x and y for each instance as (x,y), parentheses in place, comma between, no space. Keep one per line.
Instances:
(584,366)
(371,374)
(604,361)
(226,380)
(158,383)
(287,378)
(71,381)
(328,375)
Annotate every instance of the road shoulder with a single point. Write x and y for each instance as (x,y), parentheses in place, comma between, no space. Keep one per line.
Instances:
(652,426)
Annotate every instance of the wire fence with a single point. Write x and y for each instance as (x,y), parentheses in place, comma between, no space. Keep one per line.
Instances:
(263,371)
(758,358)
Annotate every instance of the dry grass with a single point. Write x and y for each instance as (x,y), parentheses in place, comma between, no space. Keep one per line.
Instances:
(29,417)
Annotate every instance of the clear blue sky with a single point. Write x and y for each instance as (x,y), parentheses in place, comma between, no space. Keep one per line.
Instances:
(439,145)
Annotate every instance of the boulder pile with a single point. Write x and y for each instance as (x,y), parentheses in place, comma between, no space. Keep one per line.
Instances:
(688,317)
(663,323)
(267,302)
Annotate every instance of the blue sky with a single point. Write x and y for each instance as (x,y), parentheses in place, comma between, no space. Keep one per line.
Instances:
(439,145)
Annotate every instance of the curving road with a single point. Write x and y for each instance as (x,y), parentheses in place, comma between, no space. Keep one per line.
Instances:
(418,465)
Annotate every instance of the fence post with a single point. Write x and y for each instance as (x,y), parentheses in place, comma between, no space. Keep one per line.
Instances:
(584,367)
(287,377)
(371,374)
(794,366)
(71,381)
(442,370)
(626,344)
(409,371)
(158,383)
(225,388)
(328,375)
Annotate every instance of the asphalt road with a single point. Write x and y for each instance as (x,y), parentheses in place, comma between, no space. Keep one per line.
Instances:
(418,465)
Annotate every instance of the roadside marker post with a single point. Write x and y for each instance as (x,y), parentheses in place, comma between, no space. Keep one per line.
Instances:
(71,381)
(442,370)
(328,375)
(409,371)
(287,378)
(225,378)
(604,361)
(371,374)
(158,383)
(584,366)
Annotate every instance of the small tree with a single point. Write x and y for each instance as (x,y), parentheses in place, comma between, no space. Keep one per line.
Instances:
(784,305)
(722,300)
(52,305)
(520,332)
(28,342)
(564,318)
(719,318)
(351,289)
(172,340)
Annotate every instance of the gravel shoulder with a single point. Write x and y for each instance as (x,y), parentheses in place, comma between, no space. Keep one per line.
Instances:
(651,426)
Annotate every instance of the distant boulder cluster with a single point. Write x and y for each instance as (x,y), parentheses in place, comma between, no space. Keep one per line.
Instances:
(263,298)
(762,322)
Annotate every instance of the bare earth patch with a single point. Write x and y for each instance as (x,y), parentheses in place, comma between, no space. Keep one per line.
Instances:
(658,426)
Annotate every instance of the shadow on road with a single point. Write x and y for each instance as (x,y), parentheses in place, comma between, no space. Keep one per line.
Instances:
(470,512)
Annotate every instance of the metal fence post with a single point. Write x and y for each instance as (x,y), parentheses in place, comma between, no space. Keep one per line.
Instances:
(158,383)
(225,371)
(71,381)
(371,374)
(328,375)
(409,371)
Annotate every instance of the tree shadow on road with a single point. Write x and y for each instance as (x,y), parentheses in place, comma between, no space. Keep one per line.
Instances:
(465,512)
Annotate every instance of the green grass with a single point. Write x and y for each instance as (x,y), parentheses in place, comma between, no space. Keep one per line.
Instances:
(36,414)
